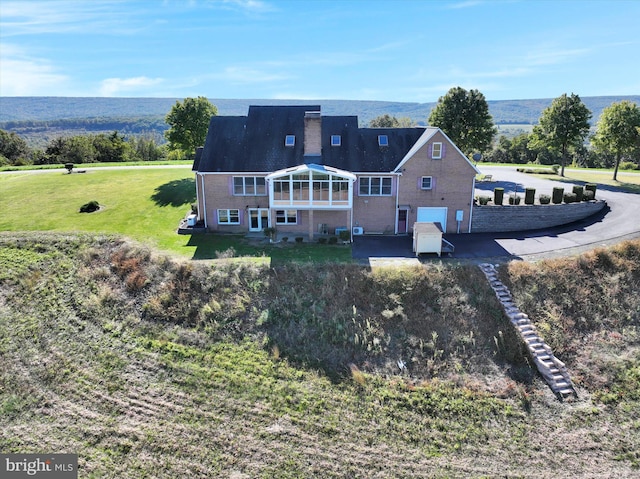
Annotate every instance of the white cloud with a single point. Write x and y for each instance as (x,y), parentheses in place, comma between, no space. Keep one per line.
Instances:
(118,86)
(23,75)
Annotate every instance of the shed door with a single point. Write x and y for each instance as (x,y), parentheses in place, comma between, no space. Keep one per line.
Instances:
(433,215)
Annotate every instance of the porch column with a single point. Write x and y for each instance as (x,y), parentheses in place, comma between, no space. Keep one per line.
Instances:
(311,223)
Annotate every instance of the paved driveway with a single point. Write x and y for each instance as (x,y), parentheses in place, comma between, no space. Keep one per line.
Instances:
(619,221)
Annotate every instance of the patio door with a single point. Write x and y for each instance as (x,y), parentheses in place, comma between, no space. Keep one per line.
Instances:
(258,219)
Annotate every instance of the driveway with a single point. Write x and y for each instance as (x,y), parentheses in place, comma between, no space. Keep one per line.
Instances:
(620,220)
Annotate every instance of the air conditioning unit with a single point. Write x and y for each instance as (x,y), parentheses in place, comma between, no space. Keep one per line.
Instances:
(191,220)
(358,230)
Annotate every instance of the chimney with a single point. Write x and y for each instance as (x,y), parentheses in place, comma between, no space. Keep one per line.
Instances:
(312,133)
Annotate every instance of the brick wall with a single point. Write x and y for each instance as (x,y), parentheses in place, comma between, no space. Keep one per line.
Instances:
(453,178)
(529,217)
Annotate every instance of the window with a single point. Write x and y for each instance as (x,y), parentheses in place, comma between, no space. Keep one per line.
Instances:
(436,151)
(281,190)
(427,182)
(375,186)
(383,140)
(228,217)
(286,217)
(289,140)
(249,186)
(336,140)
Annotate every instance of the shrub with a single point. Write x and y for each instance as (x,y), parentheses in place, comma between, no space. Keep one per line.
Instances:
(90,207)
(557,195)
(579,192)
(333,240)
(588,195)
(545,199)
(628,165)
(270,233)
(555,168)
(484,200)
(299,239)
(570,197)
(322,240)
(285,239)
(498,196)
(591,187)
(529,196)
(345,235)
(514,199)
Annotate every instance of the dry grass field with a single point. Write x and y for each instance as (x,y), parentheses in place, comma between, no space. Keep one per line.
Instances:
(149,367)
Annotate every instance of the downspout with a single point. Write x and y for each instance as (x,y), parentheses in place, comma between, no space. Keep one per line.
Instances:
(473,191)
(395,227)
(204,203)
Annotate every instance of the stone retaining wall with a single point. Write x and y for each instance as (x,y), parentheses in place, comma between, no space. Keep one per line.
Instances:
(491,218)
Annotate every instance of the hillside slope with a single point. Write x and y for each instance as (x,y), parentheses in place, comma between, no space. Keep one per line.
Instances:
(53,108)
(150,368)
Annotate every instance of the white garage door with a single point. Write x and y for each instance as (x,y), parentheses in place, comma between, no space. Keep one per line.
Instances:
(433,215)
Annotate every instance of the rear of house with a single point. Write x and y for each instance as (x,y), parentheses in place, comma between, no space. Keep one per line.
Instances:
(292,168)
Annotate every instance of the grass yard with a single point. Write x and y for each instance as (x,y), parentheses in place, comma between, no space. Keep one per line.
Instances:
(143,204)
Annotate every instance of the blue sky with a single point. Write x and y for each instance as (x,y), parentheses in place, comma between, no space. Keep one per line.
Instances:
(395,50)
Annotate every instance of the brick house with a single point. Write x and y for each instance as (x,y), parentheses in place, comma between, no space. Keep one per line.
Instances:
(292,168)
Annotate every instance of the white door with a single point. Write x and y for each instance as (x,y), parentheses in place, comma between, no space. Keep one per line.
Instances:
(258,219)
(433,215)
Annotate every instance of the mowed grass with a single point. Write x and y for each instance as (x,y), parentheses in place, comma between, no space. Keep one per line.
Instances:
(144,204)
(627,181)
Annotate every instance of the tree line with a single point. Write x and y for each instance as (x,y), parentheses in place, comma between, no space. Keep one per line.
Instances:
(80,149)
(560,137)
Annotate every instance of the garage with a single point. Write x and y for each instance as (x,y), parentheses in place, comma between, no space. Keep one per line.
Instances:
(433,215)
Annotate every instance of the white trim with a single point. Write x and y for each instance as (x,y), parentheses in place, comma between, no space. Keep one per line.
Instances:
(204,203)
(473,190)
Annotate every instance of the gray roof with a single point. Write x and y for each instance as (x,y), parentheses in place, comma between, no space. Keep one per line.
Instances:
(255,143)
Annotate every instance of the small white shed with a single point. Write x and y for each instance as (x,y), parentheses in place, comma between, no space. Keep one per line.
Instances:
(427,238)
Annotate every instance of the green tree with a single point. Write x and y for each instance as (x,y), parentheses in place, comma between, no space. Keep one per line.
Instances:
(464,116)
(389,121)
(110,148)
(13,148)
(618,131)
(563,127)
(189,122)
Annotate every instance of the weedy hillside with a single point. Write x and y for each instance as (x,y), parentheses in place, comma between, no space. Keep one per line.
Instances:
(149,367)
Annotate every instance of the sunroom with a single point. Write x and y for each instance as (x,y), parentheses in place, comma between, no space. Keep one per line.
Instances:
(308,188)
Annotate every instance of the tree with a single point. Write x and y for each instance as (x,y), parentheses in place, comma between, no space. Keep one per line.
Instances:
(13,147)
(464,117)
(189,122)
(618,131)
(388,121)
(563,127)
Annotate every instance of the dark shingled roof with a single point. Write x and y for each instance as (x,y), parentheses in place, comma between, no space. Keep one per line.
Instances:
(255,143)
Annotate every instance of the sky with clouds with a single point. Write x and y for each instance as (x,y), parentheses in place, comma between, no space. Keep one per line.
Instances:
(390,50)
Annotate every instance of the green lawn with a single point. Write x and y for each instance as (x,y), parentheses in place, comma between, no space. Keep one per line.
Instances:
(143,204)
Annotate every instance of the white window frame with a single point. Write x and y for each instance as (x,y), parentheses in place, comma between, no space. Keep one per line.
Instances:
(286,217)
(228,221)
(383,140)
(370,187)
(252,181)
(336,140)
(438,155)
(290,140)
(422,186)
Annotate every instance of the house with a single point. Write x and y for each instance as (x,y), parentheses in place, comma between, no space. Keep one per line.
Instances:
(292,168)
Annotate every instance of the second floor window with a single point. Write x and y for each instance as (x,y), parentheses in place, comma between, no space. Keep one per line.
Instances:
(375,186)
(249,186)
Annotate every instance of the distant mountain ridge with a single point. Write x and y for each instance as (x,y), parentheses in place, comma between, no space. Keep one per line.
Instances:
(18,109)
